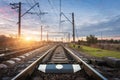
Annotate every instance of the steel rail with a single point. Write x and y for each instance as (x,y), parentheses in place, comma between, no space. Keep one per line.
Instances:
(26,73)
(29,70)
(88,69)
(8,55)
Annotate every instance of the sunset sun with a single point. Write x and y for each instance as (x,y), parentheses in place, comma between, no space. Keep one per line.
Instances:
(28,38)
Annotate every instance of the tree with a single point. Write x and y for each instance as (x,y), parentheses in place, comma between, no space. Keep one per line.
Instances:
(91,39)
(111,41)
(79,42)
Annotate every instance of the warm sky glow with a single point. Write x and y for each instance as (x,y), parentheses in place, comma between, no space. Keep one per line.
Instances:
(91,17)
(28,38)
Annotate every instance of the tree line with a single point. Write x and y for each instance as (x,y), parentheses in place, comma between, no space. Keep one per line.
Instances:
(91,39)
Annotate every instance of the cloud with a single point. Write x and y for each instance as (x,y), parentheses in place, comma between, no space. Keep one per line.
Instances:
(108,28)
(7,12)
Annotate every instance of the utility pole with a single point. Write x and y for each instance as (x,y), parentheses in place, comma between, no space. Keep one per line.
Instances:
(47,35)
(18,6)
(41,33)
(68,37)
(60,16)
(101,38)
(19,21)
(73,24)
(73,27)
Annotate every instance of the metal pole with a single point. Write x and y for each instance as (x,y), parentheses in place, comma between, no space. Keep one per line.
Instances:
(19,21)
(41,33)
(68,37)
(47,35)
(73,27)
(101,38)
(60,16)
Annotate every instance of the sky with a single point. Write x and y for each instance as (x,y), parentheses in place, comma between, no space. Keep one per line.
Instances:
(94,17)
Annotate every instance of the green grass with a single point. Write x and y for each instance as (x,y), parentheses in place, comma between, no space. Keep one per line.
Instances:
(96,52)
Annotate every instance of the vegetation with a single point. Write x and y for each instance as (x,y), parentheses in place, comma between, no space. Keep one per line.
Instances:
(10,42)
(91,39)
(108,44)
(6,41)
(97,52)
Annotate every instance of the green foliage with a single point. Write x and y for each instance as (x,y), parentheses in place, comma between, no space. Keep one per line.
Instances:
(97,52)
(79,42)
(91,39)
(100,52)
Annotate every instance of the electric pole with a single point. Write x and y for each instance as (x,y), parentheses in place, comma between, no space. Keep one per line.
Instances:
(101,38)
(47,35)
(41,33)
(73,24)
(60,16)
(18,6)
(68,37)
(73,27)
(19,21)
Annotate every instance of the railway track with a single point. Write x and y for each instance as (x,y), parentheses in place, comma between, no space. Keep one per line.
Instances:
(15,53)
(111,71)
(9,50)
(8,71)
(59,63)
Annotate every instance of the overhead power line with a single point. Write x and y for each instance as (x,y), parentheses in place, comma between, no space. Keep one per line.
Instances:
(29,9)
(53,8)
(38,9)
(40,12)
(66,17)
(38,6)
(33,9)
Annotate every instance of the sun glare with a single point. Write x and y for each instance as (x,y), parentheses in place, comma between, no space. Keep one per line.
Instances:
(28,38)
